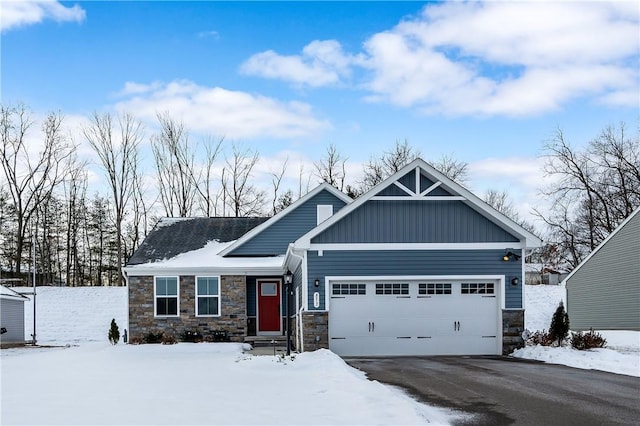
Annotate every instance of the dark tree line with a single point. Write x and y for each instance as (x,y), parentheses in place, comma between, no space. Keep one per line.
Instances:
(84,237)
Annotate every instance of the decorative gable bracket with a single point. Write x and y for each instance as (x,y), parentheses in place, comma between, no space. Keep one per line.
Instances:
(416,187)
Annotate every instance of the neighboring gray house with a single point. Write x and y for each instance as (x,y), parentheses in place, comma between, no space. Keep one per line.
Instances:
(603,292)
(11,316)
(418,265)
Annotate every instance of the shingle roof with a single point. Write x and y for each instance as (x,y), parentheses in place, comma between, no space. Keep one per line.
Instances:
(173,236)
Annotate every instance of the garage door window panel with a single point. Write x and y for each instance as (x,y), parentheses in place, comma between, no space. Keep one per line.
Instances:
(434,288)
(349,289)
(477,288)
(397,289)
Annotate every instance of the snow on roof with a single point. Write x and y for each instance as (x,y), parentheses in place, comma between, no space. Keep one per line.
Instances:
(7,293)
(209,257)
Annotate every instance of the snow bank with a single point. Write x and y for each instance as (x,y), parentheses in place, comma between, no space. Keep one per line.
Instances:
(195,384)
(622,354)
(70,315)
(541,302)
(603,359)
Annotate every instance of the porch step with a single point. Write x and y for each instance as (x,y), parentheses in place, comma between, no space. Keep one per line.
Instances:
(266,340)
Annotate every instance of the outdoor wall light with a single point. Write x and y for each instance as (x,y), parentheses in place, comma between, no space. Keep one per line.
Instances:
(288,277)
(316,282)
(510,255)
(515,281)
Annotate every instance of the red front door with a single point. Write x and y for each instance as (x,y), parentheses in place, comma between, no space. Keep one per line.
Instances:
(269,306)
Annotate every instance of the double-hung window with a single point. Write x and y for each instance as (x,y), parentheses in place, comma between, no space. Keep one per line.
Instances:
(166,296)
(207,296)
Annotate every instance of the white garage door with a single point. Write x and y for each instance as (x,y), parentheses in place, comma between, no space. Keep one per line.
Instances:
(421,317)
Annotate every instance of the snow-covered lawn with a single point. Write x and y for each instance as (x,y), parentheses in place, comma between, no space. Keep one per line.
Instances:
(91,382)
(622,354)
(202,383)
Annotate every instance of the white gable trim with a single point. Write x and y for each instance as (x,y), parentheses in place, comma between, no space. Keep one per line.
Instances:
(258,229)
(472,200)
(602,244)
(414,246)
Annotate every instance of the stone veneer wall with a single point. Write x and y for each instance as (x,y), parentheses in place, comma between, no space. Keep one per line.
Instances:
(233,318)
(512,328)
(315,326)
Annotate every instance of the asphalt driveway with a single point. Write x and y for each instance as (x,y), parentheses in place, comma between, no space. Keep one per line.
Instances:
(504,391)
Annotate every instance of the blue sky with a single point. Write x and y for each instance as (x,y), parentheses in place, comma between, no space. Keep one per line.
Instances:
(487,83)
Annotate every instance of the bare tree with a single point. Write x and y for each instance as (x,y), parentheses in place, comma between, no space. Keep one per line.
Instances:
(31,177)
(117,148)
(378,169)
(303,187)
(175,160)
(593,191)
(501,201)
(276,181)
(203,182)
(331,168)
(451,168)
(75,187)
(244,198)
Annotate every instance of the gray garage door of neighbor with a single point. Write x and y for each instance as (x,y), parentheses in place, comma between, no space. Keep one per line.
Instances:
(434,316)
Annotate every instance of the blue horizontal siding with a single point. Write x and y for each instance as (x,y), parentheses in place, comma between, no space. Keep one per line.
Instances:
(275,239)
(411,221)
(414,262)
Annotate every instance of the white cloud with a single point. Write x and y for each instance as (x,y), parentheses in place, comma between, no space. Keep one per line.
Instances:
(521,177)
(321,63)
(19,13)
(507,58)
(219,111)
(472,58)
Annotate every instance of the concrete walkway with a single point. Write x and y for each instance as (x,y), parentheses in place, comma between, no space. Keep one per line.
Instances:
(267,350)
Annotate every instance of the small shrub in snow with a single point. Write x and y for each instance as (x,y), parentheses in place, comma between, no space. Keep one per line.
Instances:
(220,336)
(152,337)
(559,328)
(114,332)
(590,340)
(191,336)
(168,339)
(540,338)
(135,341)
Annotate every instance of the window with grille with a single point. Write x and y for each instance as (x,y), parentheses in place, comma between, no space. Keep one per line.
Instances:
(166,296)
(348,289)
(207,296)
(434,288)
(392,288)
(477,288)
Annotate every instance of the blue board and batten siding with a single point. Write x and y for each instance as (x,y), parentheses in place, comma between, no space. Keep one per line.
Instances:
(414,222)
(409,222)
(414,262)
(276,238)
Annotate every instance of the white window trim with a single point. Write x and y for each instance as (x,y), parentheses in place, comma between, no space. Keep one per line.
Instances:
(219,296)
(155,296)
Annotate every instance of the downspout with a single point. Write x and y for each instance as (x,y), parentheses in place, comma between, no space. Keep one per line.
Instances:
(126,281)
(299,331)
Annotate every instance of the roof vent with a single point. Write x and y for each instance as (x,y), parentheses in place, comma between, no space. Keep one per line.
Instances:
(325,211)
